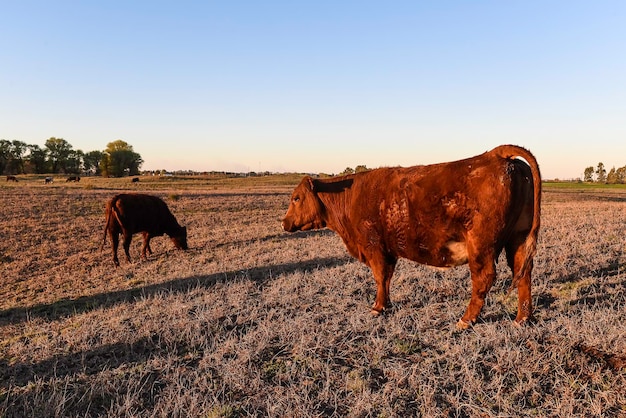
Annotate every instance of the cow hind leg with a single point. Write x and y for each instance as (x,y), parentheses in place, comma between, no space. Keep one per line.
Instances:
(483,273)
(382,269)
(115,240)
(516,254)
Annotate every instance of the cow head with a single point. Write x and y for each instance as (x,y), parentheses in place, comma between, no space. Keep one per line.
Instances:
(305,208)
(180,239)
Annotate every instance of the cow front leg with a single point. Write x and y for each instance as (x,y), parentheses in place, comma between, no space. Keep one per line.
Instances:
(383,269)
(146,245)
(483,273)
(127,239)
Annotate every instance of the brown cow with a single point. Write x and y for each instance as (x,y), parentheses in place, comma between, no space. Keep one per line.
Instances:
(442,215)
(131,213)
(73,178)
(12,178)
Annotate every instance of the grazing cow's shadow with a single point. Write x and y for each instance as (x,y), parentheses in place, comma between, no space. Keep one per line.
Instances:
(67,307)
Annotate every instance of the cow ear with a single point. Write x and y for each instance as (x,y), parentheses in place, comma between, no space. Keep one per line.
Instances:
(311,183)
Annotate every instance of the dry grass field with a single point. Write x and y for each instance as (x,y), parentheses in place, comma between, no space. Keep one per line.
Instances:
(252,321)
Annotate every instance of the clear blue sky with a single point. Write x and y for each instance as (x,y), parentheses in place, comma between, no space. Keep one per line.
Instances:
(318,86)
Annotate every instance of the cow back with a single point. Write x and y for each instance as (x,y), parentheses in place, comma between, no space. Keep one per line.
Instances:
(144,213)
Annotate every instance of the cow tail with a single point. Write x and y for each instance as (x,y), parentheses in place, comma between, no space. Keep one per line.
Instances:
(109,206)
(512,152)
(110,213)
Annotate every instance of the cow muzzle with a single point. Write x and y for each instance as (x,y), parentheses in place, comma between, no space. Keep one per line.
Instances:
(288,226)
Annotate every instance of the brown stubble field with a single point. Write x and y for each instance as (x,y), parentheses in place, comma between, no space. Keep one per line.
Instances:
(252,321)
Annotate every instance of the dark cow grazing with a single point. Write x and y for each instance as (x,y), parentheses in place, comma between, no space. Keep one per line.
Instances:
(12,178)
(48,180)
(135,180)
(73,178)
(442,215)
(132,213)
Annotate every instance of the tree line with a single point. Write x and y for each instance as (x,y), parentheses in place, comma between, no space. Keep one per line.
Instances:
(600,175)
(59,157)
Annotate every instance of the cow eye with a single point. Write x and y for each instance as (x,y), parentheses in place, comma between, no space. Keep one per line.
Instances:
(296,199)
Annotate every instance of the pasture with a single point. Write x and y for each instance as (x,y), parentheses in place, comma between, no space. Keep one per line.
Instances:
(252,321)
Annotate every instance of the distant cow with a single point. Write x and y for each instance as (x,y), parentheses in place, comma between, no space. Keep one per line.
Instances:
(132,213)
(135,180)
(442,215)
(48,180)
(12,178)
(73,178)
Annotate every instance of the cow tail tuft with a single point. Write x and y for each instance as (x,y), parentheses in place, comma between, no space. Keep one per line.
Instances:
(512,152)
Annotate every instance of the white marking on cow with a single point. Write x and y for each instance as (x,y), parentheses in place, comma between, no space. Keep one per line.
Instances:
(458,252)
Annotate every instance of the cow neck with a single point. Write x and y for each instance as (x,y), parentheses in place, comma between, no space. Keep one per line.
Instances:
(336,196)
(172,227)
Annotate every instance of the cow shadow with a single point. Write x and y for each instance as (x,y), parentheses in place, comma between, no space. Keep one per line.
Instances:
(546,301)
(284,236)
(69,307)
(16,379)
(613,270)
(87,362)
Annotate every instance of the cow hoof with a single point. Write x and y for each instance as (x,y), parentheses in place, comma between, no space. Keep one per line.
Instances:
(520,323)
(375,312)
(462,325)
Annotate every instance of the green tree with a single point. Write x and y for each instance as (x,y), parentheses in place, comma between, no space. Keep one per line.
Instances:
(37,159)
(611,177)
(91,162)
(601,173)
(59,151)
(74,162)
(348,170)
(120,159)
(16,162)
(588,175)
(620,175)
(361,169)
(5,154)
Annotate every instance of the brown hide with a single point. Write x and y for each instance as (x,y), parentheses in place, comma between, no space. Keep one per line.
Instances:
(442,215)
(129,214)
